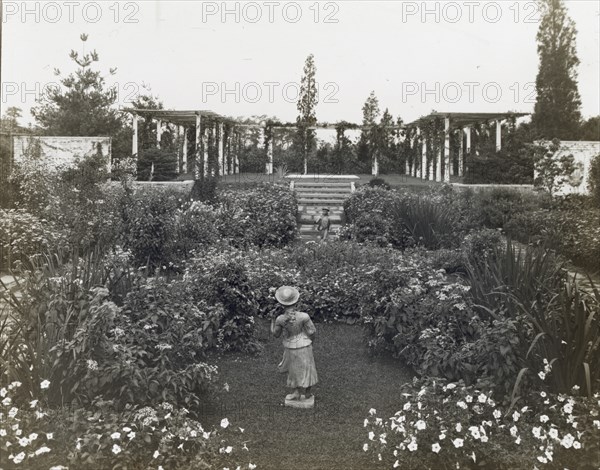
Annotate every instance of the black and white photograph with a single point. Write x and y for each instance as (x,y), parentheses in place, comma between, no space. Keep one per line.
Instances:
(300,235)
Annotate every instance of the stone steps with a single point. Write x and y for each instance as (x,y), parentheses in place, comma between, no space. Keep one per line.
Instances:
(313,197)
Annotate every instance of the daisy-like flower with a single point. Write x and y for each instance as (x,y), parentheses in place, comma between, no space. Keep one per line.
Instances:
(224,423)
(156,454)
(420,425)
(19,457)
(462,404)
(458,427)
(42,450)
(497,414)
(553,433)
(542,459)
(115,435)
(537,432)
(544,419)
(365,447)
(371,435)
(450,386)
(412,446)
(44,384)
(435,447)
(458,442)
(482,398)
(567,441)
(515,416)
(406,406)
(116,449)
(469,399)
(568,408)
(576,445)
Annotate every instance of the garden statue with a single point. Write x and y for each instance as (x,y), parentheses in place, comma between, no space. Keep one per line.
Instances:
(298,361)
(323,224)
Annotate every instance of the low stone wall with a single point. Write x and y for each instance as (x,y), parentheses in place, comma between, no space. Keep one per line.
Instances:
(183,187)
(522,188)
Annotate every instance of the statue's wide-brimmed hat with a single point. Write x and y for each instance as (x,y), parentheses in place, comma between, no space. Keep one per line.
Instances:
(325,209)
(287,295)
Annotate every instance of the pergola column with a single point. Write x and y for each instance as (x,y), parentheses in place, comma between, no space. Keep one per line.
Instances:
(498,135)
(184,165)
(461,160)
(219,142)
(198,160)
(438,165)
(205,151)
(420,167)
(236,160)
(134,140)
(226,151)
(158,132)
(424,158)
(269,151)
(447,150)
(468,132)
(375,168)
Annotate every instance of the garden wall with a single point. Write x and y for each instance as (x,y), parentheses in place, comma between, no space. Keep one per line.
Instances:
(522,188)
(60,150)
(583,152)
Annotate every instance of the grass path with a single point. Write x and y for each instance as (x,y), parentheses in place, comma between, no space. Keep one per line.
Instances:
(331,435)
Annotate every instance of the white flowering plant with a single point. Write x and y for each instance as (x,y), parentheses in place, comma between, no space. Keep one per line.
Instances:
(102,437)
(153,438)
(26,435)
(444,424)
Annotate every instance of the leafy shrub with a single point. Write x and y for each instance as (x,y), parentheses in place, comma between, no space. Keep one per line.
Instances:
(378,182)
(498,206)
(430,323)
(225,283)
(197,226)
(205,190)
(370,200)
(23,235)
(150,223)
(157,165)
(441,425)
(480,245)
(265,216)
(148,351)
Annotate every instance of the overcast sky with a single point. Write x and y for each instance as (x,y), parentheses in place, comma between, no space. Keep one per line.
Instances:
(246,58)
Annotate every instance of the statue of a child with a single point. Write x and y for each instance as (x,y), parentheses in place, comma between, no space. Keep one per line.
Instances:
(298,334)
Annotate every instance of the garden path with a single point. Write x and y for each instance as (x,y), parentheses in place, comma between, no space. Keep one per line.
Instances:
(331,435)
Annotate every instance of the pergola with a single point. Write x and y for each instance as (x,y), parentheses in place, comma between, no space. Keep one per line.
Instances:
(441,166)
(225,135)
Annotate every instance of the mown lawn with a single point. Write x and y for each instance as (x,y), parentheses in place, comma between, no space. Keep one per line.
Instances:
(331,435)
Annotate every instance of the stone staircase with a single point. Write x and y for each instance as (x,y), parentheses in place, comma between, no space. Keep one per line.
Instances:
(314,195)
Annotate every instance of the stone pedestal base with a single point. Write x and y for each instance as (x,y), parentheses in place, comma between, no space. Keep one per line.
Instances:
(308,403)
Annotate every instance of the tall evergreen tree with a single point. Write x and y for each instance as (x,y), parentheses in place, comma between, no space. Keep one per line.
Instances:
(368,137)
(307,103)
(83,105)
(557,110)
